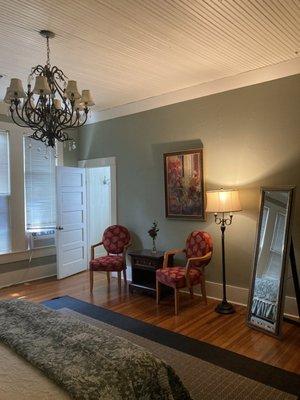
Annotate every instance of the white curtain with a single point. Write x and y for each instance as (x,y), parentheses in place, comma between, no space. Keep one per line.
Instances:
(40,190)
(4,192)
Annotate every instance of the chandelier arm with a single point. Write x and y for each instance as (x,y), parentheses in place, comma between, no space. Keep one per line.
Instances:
(85,119)
(20,116)
(57,71)
(30,113)
(75,122)
(67,112)
(69,115)
(33,117)
(15,121)
(38,70)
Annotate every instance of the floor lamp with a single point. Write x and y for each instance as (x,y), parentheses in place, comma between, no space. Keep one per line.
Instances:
(223,203)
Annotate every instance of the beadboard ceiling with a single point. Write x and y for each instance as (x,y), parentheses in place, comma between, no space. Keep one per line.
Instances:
(129,50)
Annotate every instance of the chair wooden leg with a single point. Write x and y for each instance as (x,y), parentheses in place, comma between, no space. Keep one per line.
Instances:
(158,288)
(91,280)
(203,291)
(176,296)
(191,291)
(108,277)
(125,277)
(119,280)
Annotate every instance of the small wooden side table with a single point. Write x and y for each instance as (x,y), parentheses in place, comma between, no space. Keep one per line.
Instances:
(144,264)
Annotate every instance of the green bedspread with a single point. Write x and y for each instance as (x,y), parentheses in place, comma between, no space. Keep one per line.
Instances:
(88,362)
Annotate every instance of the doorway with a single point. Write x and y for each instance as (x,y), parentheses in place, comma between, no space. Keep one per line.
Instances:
(100,199)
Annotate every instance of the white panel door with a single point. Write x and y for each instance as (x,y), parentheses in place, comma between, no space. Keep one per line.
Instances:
(71,221)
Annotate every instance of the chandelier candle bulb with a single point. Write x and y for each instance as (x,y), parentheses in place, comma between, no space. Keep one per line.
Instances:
(57,104)
(16,88)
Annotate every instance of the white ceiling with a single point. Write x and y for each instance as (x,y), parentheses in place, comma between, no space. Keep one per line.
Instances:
(129,50)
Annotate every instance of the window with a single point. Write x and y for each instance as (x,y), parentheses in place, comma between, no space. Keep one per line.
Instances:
(5,244)
(39,185)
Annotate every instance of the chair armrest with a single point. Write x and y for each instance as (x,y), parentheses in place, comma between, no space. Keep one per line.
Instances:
(207,257)
(93,249)
(171,253)
(125,248)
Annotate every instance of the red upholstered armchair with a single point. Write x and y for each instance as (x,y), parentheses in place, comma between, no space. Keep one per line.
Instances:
(116,239)
(198,253)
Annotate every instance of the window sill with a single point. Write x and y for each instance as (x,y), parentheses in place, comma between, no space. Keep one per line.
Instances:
(19,255)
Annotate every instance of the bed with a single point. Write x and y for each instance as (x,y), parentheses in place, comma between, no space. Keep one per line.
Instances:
(72,359)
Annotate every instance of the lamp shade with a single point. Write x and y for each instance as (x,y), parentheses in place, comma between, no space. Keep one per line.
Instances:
(86,98)
(16,88)
(41,86)
(72,91)
(8,96)
(223,201)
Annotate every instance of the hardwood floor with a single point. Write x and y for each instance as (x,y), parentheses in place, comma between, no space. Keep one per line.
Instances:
(195,319)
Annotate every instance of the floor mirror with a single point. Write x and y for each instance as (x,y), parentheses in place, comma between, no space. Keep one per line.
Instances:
(266,299)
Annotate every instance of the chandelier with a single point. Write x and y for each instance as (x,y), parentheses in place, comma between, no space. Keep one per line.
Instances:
(53,106)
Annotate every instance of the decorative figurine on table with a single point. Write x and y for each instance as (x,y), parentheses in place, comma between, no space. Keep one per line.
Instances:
(153,234)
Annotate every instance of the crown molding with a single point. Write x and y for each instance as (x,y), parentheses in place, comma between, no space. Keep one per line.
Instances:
(265,74)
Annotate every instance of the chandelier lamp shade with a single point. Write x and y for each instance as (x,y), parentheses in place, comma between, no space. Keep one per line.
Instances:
(51,106)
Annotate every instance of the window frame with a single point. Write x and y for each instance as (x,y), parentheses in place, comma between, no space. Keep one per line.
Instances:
(19,247)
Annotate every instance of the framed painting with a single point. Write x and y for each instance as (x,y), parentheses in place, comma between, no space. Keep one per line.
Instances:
(184,186)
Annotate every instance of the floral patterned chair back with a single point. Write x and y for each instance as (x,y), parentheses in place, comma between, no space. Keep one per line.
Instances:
(198,244)
(114,239)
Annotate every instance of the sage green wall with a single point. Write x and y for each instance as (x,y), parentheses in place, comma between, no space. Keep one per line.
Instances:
(250,137)
(71,156)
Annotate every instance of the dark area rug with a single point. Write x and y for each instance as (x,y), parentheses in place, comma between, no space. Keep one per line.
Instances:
(260,372)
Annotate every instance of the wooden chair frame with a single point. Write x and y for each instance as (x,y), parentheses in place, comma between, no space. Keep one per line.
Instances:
(187,267)
(108,272)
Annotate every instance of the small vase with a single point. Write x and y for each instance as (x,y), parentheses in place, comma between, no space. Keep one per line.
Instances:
(153,246)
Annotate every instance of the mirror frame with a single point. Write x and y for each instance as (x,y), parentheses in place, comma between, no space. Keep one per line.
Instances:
(287,241)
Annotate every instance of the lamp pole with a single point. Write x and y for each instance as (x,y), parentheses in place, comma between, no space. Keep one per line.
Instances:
(224,307)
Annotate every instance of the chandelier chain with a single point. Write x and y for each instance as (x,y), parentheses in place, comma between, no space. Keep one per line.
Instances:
(48,52)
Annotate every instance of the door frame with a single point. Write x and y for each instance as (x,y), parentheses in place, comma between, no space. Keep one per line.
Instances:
(96,163)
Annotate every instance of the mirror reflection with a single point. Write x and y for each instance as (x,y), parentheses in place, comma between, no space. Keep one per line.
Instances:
(270,259)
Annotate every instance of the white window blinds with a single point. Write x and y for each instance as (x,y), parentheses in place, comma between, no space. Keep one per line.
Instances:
(5,244)
(39,185)
(4,165)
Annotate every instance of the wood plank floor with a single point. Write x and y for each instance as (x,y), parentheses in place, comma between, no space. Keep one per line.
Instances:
(195,319)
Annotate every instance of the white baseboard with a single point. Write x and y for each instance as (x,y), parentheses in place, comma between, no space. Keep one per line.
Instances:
(237,295)
(11,278)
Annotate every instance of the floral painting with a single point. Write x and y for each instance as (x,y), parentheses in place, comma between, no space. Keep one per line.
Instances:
(184,188)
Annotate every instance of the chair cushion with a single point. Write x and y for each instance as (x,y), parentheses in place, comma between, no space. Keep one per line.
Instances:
(175,276)
(114,239)
(107,263)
